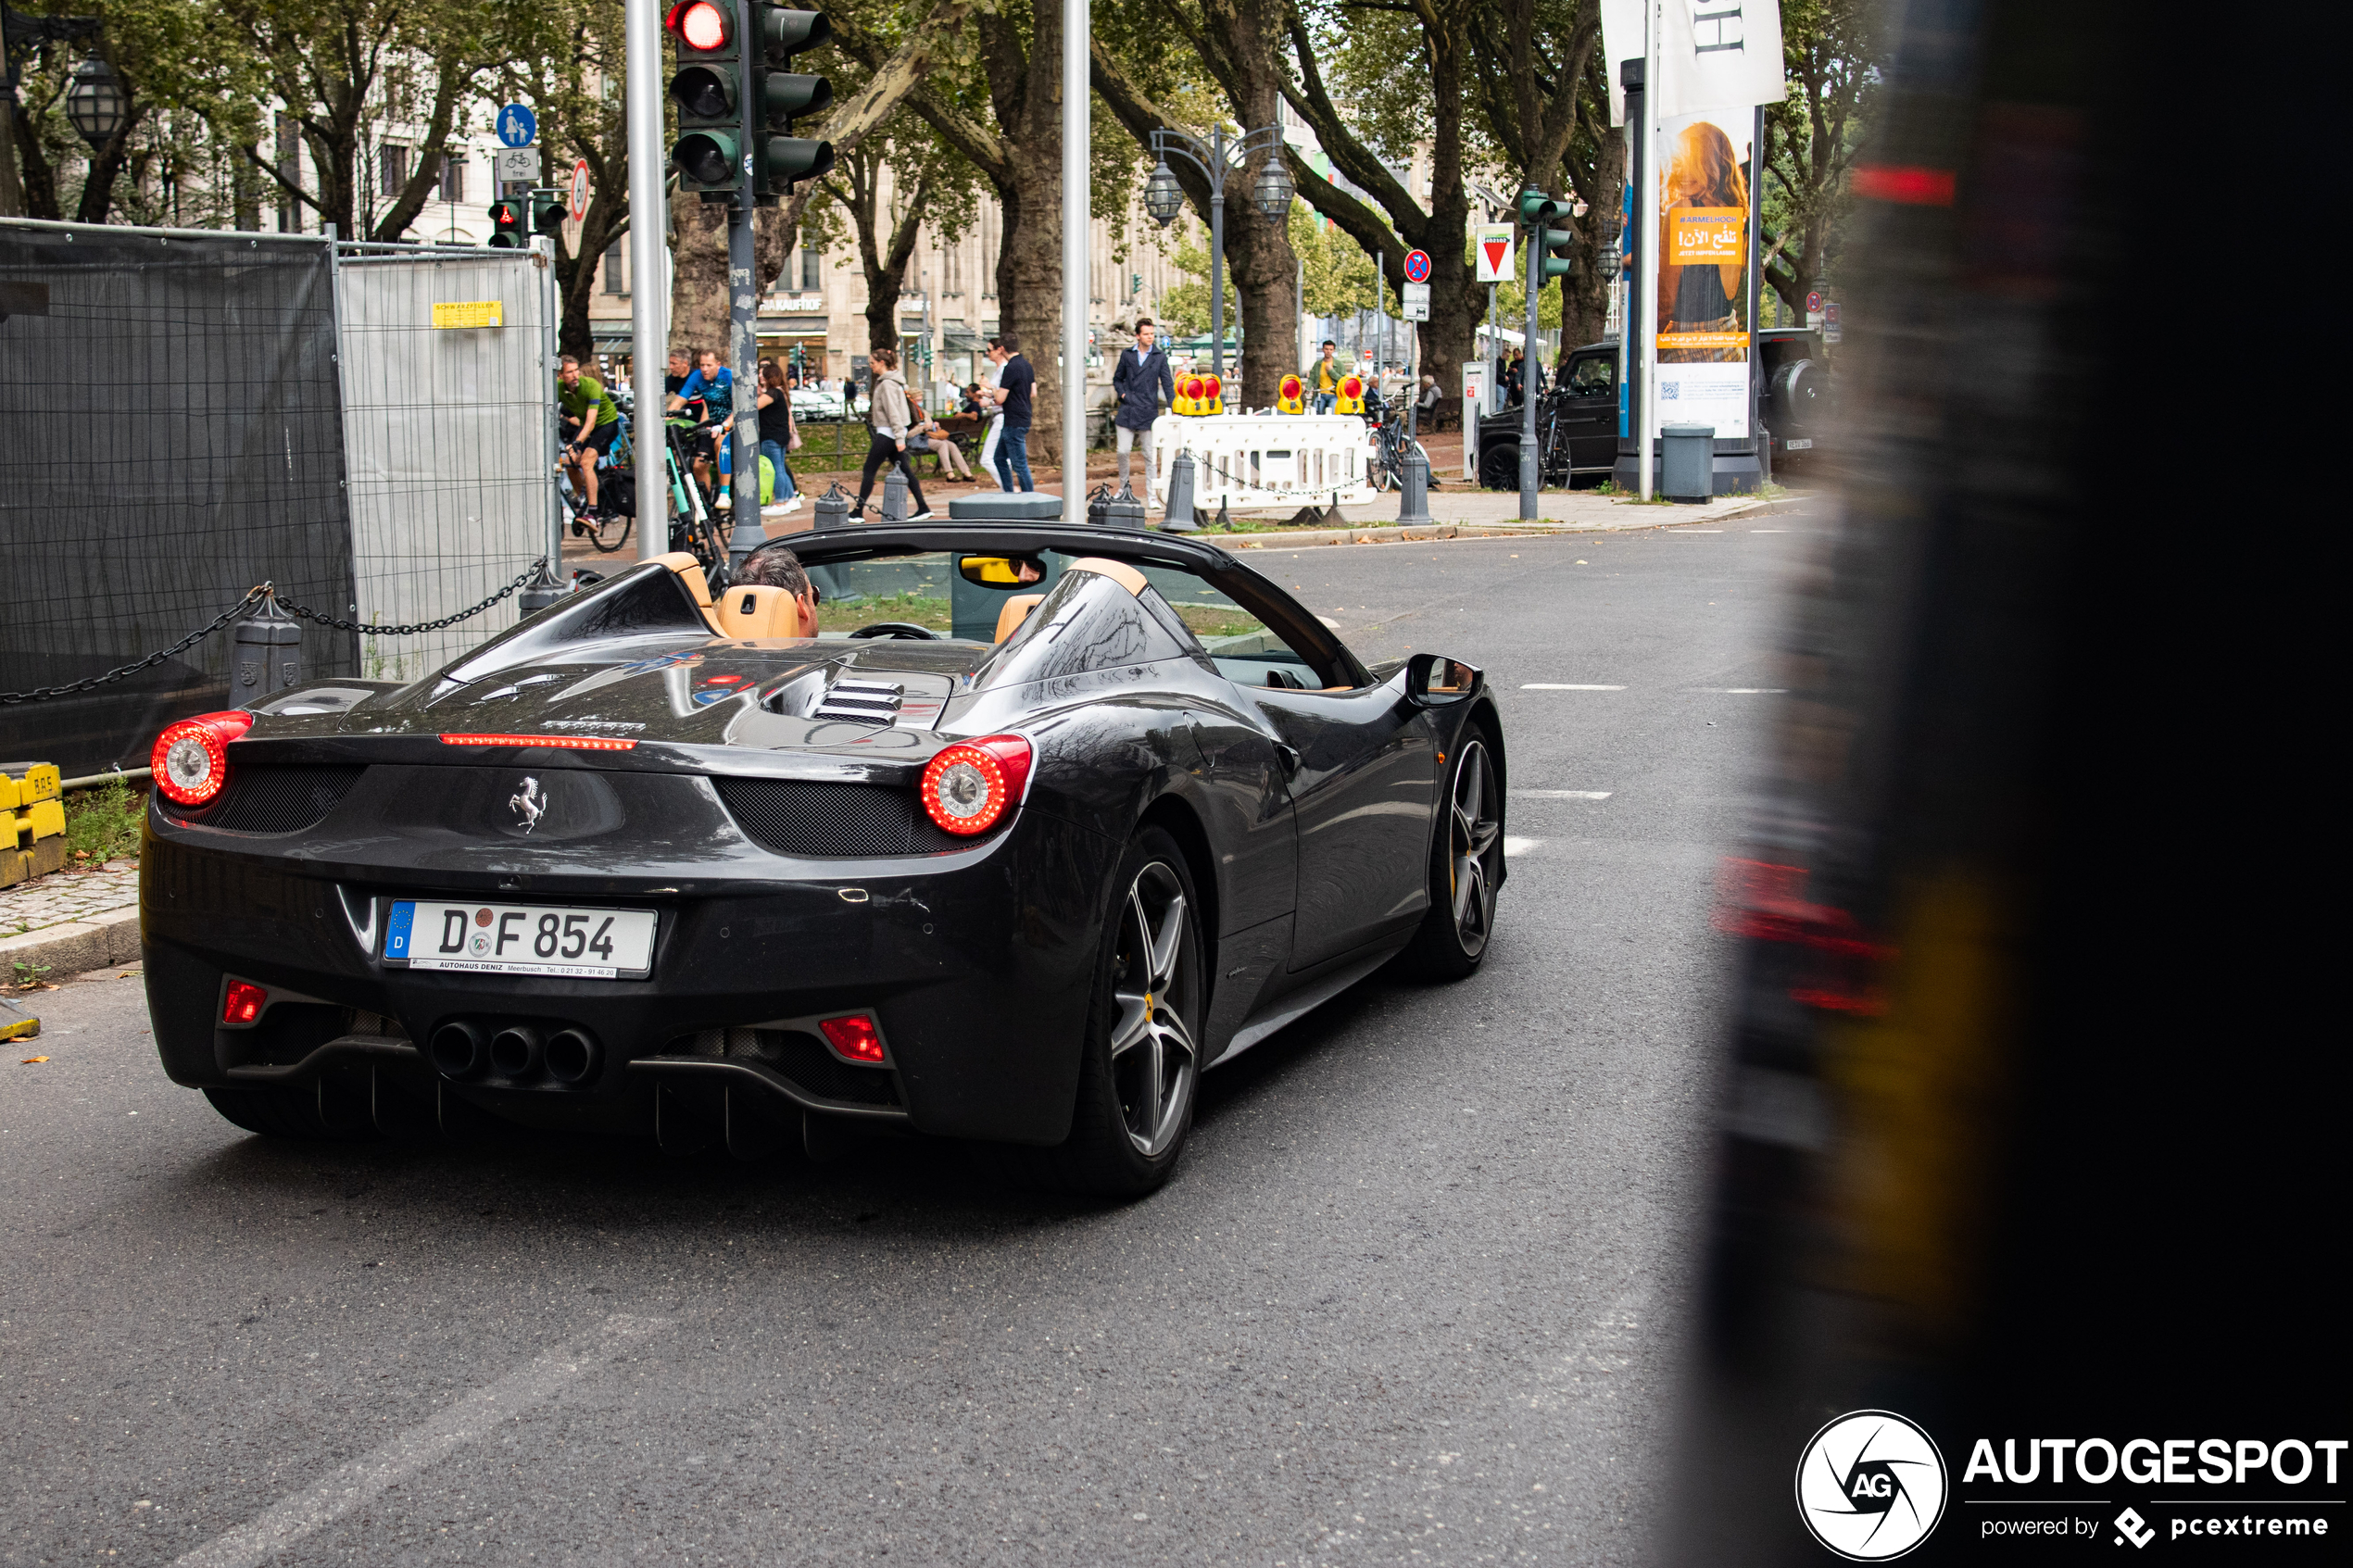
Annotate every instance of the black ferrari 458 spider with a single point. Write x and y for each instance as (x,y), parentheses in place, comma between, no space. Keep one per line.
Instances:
(651,863)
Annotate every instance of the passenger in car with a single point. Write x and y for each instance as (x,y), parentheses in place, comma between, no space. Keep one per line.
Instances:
(773,566)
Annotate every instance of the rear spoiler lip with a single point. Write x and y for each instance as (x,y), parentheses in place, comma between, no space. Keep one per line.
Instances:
(849,761)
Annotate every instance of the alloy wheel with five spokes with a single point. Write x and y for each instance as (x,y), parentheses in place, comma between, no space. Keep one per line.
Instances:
(1153,1059)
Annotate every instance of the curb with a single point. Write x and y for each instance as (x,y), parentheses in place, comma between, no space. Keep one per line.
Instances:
(1510,528)
(76,946)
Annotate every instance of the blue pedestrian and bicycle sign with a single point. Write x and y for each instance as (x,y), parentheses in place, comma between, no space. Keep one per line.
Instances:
(518,127)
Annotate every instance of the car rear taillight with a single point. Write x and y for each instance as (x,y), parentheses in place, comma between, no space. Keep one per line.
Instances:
(243,1002)
(967,787)
(854,1039)
(191,757)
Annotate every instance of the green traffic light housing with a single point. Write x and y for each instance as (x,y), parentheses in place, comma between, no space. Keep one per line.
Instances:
(1536,209)
(788,158)
(1558,246)
(505,226)
(779,96)
(706,160)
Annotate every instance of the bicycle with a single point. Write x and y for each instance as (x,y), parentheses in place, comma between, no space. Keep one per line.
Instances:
(1391,443)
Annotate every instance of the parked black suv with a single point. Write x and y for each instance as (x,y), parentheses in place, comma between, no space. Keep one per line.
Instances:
(1577,418)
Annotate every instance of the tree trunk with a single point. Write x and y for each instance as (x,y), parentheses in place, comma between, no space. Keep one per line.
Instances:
(39,179)
(97,187)
(1029,276)
(1585,297)
(698,275)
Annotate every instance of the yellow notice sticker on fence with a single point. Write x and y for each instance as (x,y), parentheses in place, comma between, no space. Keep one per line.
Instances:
(468,313)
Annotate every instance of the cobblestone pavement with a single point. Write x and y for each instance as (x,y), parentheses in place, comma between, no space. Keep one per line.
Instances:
(68,896)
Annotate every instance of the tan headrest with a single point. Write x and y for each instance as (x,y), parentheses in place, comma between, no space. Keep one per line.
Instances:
(1016,610)
(690,571)
(1120,572)
(760,610)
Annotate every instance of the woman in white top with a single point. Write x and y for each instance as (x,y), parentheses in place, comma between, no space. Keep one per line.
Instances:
(985,462)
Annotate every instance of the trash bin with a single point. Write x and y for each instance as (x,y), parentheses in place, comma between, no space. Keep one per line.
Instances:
(1686,462)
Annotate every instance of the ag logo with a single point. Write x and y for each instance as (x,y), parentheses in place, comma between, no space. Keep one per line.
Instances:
(1871,1485)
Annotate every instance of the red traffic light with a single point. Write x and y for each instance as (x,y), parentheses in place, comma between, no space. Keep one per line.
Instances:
(700,25)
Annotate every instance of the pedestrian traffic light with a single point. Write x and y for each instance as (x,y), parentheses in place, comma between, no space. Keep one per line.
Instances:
(505,226)
(1546,218)
(779,96)
(709,153)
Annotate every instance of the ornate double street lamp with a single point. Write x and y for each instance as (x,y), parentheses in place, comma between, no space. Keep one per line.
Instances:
(1217,157)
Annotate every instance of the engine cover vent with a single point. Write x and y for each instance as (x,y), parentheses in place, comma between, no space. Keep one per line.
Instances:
(872,702)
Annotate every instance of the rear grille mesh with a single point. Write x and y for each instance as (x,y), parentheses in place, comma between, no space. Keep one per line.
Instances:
(874,702)
(802,1058)
(271,798)
(817,818)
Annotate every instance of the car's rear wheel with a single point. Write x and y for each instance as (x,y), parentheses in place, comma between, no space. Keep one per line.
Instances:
(289,1111)
(1142,1057)
(1499,465)
(1466,864)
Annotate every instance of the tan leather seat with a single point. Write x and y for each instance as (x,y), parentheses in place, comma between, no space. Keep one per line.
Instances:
(762,610)
(1118,571)
(1016,610)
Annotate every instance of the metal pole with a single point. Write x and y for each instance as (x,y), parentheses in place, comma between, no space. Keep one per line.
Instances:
(1495,341)
(1076,205)
(543,256)
(649,287)
(1641,332)
(1531,467)
(1380,306)
(1217,252)
(743,338)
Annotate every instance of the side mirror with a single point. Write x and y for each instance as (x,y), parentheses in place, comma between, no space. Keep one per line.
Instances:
(999,572)
(1433,680)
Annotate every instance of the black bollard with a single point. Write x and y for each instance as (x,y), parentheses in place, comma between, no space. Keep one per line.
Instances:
(1179,515)
(833,508)
(266,654)
(543,590)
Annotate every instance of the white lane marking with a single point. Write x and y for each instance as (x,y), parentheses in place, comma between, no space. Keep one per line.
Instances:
(1768,531)
(1514,845)
(1744,691)
(1556,686)
(427,1443)
(1564,793)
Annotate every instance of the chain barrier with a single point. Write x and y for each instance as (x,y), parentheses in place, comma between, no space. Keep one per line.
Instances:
(341,625)
(253,595)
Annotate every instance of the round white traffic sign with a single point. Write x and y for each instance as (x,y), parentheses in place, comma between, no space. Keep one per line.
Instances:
(580,190)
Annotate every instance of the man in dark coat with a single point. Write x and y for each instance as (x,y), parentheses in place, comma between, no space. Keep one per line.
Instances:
(1141,381)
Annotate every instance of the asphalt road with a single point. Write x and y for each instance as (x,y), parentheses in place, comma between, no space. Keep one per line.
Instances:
(1412,1298)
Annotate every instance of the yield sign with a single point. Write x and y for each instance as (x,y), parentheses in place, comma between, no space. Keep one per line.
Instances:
(1493,243)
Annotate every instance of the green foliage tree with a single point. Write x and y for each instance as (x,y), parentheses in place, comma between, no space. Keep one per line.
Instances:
(1833,50)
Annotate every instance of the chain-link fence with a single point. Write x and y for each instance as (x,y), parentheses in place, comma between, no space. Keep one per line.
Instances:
(447,409)
(184,415)
(171,434)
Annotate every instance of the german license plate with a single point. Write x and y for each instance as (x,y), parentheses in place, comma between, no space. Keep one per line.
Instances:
(521,939)
(1805,445)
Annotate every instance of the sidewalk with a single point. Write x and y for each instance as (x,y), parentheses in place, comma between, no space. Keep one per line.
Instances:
(70,921)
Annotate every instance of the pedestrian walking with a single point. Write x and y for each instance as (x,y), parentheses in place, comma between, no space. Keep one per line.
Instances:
(1140,381)
(892,421)
(1015,382)
(778,434)
(1328,374)
(985,397)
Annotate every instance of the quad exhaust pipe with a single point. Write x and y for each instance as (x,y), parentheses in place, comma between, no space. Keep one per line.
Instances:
(520,1052)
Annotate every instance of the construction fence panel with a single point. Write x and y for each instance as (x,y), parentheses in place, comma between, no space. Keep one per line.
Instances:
(447,410)
(171,434)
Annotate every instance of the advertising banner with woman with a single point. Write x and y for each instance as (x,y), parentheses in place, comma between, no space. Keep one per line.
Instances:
(1705,314)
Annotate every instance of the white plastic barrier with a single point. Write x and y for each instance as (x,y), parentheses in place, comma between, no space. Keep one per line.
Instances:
(1261,462)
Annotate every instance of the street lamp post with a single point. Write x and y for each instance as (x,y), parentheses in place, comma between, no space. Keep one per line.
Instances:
(1215,158)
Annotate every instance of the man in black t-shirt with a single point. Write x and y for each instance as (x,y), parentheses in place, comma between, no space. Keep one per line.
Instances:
(1015,382)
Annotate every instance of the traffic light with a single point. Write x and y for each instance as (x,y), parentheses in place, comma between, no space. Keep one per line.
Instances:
(779,96)
(548,214)
(709,155)
(1546,221)
(505,226)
